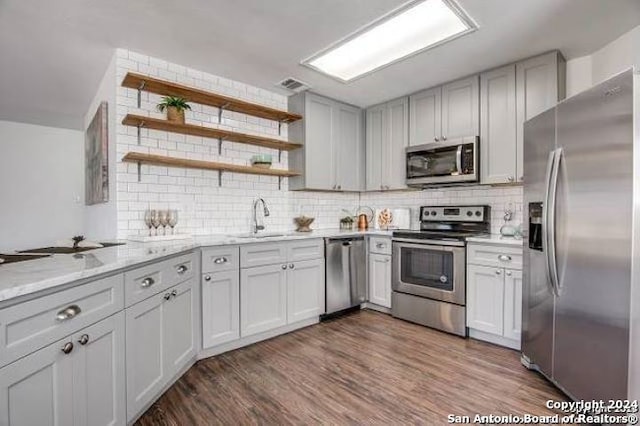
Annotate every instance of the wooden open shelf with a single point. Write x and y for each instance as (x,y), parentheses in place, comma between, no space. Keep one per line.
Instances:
(191,94)
(159,160)
(207,132)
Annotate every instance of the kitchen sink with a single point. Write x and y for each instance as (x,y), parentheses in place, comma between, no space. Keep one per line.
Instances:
(68,250)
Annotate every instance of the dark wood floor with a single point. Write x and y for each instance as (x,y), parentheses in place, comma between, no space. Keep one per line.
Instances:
(365,368)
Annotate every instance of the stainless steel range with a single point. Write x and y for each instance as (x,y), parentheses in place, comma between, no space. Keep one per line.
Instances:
(428,273)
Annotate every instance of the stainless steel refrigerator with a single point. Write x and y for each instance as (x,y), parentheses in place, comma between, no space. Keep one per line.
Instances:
(581,296)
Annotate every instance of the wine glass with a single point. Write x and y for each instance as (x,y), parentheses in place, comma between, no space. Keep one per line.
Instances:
(163,216)
(147,220)
(172,219)
(155,220)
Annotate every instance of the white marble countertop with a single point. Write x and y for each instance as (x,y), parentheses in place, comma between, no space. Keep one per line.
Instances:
(25,278)
(496,239)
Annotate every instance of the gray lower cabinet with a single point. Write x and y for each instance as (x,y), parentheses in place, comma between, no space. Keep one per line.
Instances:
(380,279)
(263,298)
(76,380)
(160,341)
(305,290)
(387,136)
(332,156)
(220,307)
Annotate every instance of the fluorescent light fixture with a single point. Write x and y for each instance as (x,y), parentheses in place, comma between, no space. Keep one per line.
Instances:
(413,28)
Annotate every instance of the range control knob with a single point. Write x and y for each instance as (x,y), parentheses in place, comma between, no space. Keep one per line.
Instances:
(433,213)
(478,213)
(469,213)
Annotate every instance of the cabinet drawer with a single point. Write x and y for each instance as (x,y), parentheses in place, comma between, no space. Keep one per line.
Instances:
(494,255)
(152,279)
(380,245)
(29,326)
(260,254)
(216,259)
(305,250)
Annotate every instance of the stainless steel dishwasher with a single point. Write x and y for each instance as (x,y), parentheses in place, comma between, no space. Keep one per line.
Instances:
(346,273)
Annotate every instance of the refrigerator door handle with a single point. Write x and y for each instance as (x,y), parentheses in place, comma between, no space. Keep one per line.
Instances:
(551,221)
(545,219)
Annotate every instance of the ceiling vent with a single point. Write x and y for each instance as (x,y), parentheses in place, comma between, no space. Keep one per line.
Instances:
(293,85)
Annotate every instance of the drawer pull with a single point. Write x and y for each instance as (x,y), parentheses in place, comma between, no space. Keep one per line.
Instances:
(147,282)
(174,293)
(207,277)
(84,339)
(284,266)
(508,273)
(220,260)
(291,266)
(504,257)
(167,296)
(68,313)
(182,269)
(498,272)
(67,348)
(381,245)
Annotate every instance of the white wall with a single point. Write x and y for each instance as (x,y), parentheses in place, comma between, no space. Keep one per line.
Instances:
(101,219)
(41,185)
(579,75)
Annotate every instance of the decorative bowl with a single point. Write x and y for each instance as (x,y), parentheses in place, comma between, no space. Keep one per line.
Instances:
(262,161)
(303,223)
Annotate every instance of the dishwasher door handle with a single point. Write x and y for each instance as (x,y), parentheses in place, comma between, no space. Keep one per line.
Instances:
(347,244)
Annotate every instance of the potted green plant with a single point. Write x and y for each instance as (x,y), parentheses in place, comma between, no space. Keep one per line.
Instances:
(175,107)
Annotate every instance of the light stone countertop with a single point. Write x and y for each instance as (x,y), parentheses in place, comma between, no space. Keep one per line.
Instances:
(33,276)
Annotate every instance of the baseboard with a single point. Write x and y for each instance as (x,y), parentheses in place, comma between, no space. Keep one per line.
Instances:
(249,340)
(374,307)
(492,338)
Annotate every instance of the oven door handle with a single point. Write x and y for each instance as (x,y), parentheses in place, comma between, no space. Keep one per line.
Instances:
(459,159)
(428,247)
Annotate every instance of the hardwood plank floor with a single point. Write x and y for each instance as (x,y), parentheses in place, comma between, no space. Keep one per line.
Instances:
(364,368)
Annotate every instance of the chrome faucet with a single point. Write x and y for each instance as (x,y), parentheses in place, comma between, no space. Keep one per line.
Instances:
(259,227)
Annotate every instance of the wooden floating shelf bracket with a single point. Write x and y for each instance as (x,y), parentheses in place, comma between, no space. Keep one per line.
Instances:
(199,96)
(207,132)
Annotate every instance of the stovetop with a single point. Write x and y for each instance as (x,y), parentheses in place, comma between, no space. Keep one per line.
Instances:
(437,235)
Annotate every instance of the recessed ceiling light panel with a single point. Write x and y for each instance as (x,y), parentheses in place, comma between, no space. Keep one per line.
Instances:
(413,28)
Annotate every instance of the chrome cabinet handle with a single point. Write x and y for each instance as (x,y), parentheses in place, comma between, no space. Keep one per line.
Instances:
(182,269)
(380,245)
(68,313)
(147,282)
(511,178)
(498,272)
(207,277)
(220,260)
(291,266)
(67,348)
(174,293)
(521,178)
(284,266)
(436,139)
(340,187)
(84,339)
(504,257)
(508,273)
(444,138)
(167,296)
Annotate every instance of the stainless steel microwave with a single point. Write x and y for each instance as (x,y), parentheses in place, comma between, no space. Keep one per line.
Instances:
(452,162)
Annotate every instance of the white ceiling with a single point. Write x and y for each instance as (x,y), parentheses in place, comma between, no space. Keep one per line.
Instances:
(54,53)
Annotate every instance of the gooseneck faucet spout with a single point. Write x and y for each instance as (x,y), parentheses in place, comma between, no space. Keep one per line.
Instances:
(259,226)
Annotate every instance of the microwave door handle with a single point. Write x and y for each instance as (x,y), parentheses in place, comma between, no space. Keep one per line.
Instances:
(459,159)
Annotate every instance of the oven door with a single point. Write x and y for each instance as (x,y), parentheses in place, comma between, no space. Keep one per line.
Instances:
(432,271)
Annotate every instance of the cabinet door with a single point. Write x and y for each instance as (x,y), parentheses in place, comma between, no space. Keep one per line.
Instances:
(498,125)
(220,308)
(461,108)
(349,148)
(38,389)
(485,298)
(305,290)
(425,121)
(376,134)
(394,164)
(145,355)
(380,280)
(179,343)
(537,90)
(512,304)
(99,365)
(319,134)
(263,299)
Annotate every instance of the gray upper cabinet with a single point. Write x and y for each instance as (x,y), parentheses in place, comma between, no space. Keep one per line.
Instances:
(425,116)
(540,84)
(387,138)
(460,108)
(498,125)
(332,156)
(445,112)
